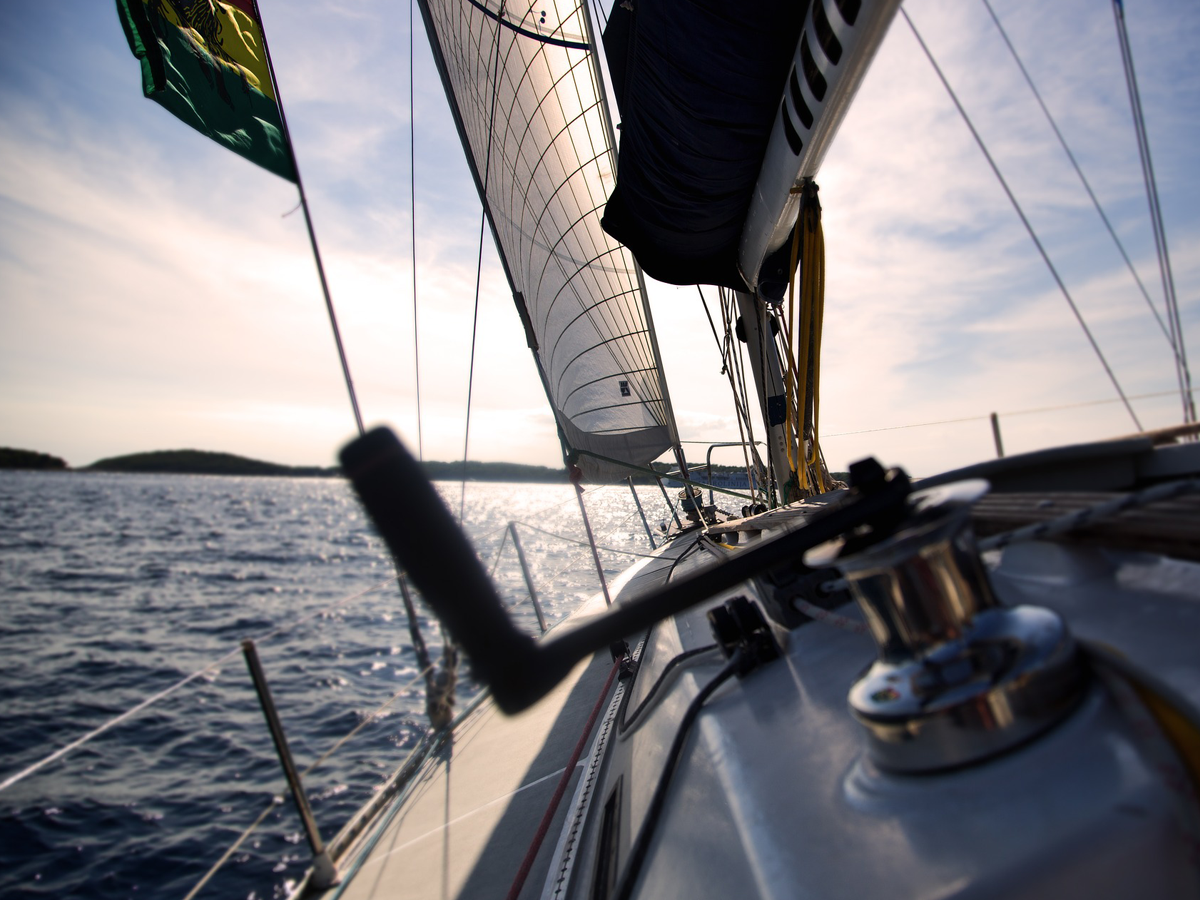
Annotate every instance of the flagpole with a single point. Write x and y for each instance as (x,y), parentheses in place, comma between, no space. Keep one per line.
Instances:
(312,235)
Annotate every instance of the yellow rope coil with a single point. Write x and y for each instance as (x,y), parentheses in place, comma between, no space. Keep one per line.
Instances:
(808,249)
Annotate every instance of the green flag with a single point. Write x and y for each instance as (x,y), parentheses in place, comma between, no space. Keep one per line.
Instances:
(204,61)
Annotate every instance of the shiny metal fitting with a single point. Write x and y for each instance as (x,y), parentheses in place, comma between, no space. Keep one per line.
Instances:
(959,677)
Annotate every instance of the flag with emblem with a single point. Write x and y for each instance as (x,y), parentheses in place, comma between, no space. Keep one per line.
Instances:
(205,61)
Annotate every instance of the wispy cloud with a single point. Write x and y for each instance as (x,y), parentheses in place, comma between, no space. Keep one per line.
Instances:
(154,293)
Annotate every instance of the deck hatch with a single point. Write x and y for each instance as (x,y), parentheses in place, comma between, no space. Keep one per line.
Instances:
(606,850)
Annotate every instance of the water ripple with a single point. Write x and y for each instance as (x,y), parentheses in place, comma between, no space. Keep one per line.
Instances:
(118,586)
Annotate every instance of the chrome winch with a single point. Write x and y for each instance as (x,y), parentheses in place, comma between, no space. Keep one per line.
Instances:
(958,676)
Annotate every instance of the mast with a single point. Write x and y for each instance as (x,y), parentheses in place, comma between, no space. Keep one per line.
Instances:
(832,56)
(754,326)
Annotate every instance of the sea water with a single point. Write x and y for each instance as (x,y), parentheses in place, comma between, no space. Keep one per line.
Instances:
(117,587)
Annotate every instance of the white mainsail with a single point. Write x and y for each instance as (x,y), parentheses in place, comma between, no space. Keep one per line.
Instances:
(525,89)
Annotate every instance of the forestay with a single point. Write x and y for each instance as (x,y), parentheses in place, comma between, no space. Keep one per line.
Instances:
(524,88)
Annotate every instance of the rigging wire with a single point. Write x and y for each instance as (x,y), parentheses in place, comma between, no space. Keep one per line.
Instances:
(793,430)
(166,692)
(763,327)
(735,355)
(741,415)
(278,800)
(412,194)
(1082,178)
(487,165)
(601,15)
(1015,412)
(563,537)
(1160,235)
(312,234)
(435,683)
(1021,213)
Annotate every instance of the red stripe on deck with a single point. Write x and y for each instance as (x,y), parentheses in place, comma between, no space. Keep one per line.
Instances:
(548,816)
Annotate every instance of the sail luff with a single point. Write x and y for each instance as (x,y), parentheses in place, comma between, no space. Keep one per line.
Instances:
(598,76)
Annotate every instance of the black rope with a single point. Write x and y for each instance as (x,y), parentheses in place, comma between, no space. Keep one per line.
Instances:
(624,722)
(637,852)
(675,562)
(525,32)
(1020,212)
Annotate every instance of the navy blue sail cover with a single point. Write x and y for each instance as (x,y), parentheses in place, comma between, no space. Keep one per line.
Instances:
(698,85)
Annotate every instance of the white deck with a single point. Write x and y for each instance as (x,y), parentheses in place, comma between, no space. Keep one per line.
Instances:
(471,812)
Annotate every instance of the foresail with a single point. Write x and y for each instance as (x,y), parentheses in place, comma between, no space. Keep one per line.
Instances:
(524,87)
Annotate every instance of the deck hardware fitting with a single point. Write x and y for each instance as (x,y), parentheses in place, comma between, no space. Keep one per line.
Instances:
(958,677)
(324,872)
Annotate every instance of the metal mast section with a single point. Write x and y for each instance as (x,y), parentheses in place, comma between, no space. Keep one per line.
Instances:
(835,49)
(784,344)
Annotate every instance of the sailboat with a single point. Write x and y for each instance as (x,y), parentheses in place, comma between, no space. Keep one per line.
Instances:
(828,690)
(842,691)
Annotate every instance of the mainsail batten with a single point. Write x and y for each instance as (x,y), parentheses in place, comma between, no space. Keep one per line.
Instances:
(526,96)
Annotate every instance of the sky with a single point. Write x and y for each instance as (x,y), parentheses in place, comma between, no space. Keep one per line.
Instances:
(158,292)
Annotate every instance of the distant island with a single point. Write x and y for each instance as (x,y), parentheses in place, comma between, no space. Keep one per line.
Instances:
(202,462)
(493,471)
(12,458)
(206,462)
